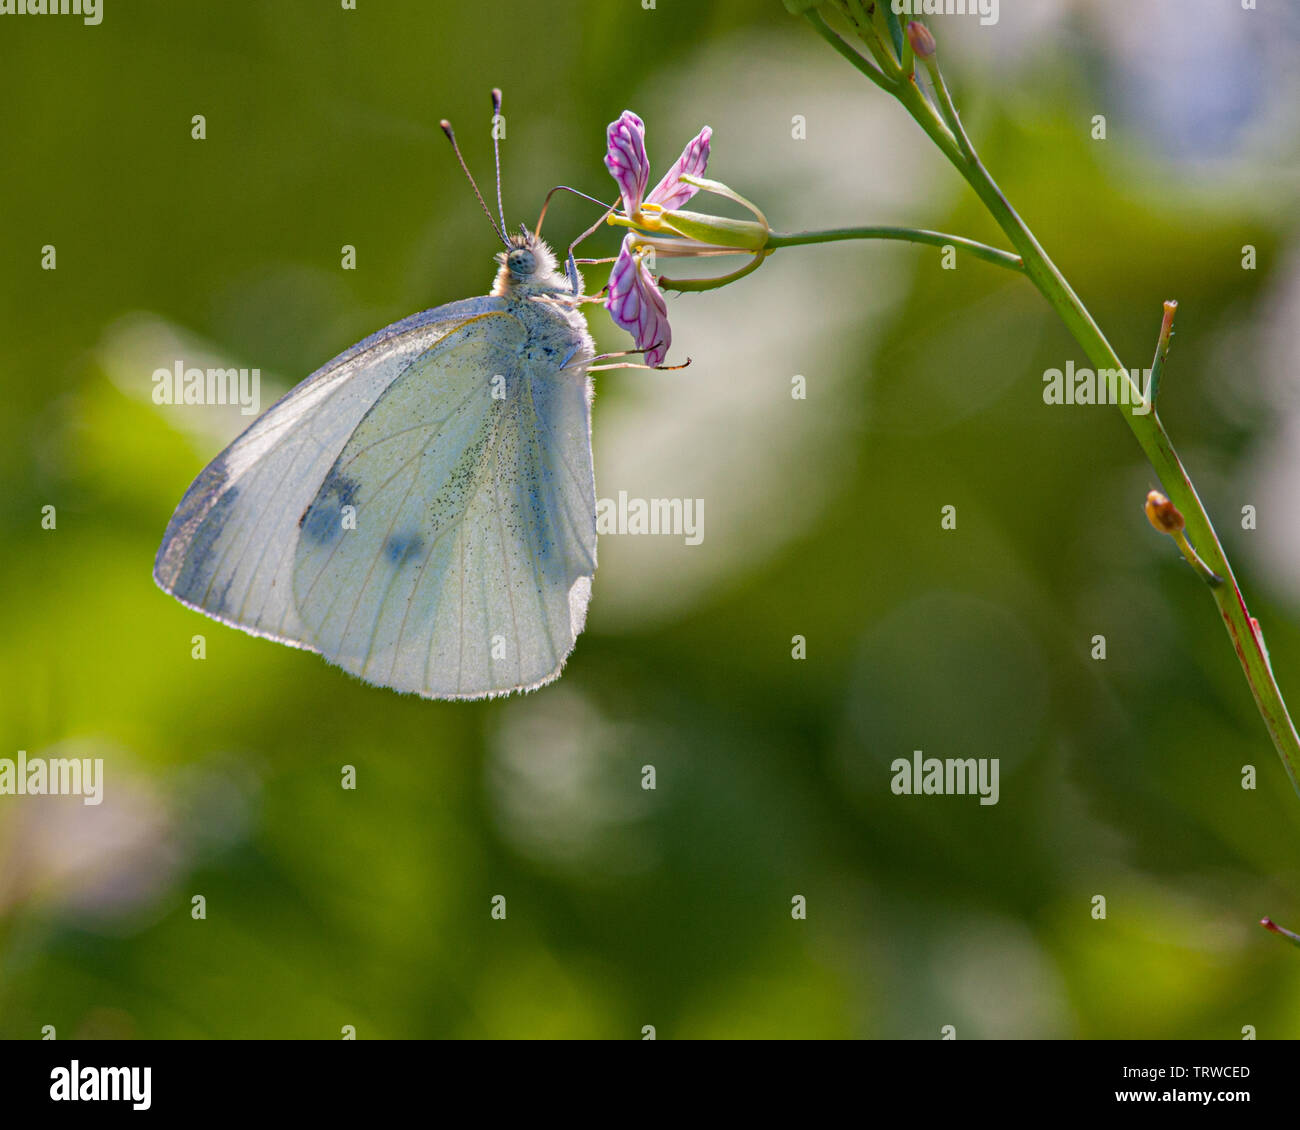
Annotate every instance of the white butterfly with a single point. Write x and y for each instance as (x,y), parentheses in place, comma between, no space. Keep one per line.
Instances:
(421,511)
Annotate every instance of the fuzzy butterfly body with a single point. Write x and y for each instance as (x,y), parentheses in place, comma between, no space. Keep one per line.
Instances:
(421,510)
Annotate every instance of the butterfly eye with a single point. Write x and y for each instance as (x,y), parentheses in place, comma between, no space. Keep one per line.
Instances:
(522,262)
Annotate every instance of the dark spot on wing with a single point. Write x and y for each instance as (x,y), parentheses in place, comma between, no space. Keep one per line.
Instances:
(401,548)
(322,521)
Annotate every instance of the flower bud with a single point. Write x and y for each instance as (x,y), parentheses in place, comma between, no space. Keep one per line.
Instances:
(922,41)
(1163,514)
(1281,931)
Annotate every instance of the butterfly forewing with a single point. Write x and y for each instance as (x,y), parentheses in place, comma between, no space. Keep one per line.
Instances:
(228,550)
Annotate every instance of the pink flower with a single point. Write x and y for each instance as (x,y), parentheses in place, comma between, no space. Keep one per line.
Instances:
(636,304)
(627,162)
(671,193)
(633,298)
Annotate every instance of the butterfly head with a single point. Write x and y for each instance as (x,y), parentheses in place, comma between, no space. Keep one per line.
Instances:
(527,264)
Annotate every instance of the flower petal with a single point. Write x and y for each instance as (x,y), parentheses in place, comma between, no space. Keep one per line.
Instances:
(626,160)
(636,304)
(670,192)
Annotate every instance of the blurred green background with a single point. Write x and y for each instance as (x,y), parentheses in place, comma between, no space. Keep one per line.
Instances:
(672,907)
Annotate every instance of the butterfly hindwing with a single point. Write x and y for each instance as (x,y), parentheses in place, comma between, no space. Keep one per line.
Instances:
(450,547)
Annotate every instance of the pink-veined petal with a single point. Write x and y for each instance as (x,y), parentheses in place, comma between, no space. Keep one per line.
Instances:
(626,160)
(670,192)
(636,304)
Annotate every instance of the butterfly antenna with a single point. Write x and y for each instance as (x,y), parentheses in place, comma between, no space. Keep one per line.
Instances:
(451,136)
(496,149)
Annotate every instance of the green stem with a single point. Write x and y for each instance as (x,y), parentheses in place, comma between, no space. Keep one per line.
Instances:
(870,33)
(684,285)
(1162,351)
(949,111)
(865,66)
(1208,575)
(908,235)
(1147,428)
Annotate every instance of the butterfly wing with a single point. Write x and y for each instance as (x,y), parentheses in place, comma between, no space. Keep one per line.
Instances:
(450,548)
(229,548)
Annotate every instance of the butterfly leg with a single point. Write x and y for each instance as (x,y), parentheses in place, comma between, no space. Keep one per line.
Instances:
(570,263)
(630,364)
(637,365)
